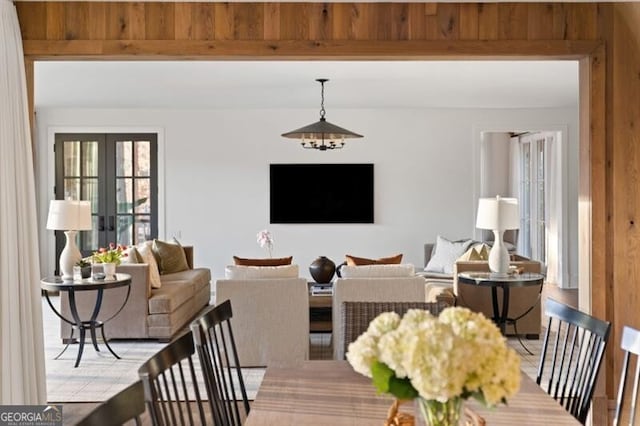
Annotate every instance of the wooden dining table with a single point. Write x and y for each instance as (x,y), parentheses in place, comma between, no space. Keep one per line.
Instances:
(331,393)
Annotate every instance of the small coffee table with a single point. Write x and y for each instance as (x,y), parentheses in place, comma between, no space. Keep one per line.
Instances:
(505,282)
(71,287)
(320,308)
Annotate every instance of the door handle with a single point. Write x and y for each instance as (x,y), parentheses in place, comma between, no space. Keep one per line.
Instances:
(101,223)
(112,223)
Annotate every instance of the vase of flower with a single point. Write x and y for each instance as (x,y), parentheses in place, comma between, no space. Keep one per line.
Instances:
(431,412)
(110,258)
(457,355)
(109,270)
(322,270)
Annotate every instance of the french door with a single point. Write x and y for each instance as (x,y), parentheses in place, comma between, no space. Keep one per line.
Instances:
(118,174)
(533,186)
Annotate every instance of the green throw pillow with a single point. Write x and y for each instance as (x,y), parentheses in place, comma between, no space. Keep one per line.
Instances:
(171,257)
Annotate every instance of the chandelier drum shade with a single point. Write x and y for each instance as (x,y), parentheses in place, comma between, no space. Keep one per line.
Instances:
(321,135)
(69,216)
(498,214)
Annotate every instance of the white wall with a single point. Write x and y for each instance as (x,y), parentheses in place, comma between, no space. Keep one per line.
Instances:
(215,165)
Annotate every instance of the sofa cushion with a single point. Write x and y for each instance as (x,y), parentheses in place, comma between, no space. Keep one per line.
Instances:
(377,271)
(200,277)
(360,261)
(171,257)
(234,272)
(275,261)
(445,254)
(170,296)
(435,275)
(146,253)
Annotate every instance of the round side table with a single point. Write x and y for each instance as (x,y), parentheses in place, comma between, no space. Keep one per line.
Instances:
(505,282)
(92,324)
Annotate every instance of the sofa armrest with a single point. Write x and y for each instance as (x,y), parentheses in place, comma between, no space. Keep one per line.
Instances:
(188,252)
(139,278)
(131,321)
(428,253)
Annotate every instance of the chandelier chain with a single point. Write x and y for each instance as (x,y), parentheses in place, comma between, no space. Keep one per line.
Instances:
(322,111)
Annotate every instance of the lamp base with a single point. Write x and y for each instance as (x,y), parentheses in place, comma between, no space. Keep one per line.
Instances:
(69,257)
(498,256)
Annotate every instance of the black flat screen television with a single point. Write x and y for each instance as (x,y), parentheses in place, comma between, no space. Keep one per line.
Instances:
(321,193)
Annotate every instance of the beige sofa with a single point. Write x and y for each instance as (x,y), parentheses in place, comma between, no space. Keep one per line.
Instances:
(390,289)
(270,319)
(149,313)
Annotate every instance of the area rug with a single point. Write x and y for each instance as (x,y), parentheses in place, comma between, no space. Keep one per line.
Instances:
(100,375)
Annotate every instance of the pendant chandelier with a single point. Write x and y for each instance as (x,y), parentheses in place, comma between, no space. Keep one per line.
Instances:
(321,135)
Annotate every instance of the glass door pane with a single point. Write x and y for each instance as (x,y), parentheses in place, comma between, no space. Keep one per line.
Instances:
(78,167)
(135,171)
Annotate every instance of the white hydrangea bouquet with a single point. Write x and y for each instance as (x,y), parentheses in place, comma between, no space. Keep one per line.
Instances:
(439,361)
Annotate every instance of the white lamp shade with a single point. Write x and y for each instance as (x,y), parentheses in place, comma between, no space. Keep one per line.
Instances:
(69,215)
(498,213)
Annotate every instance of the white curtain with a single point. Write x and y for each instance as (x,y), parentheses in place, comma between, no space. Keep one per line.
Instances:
(22,374)
(556,270)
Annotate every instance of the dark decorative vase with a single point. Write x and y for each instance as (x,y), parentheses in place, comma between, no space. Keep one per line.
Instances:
(322,270)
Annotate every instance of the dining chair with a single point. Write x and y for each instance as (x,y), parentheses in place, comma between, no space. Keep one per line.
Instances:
(174,388)
(126,405)
(572,351)
(215,344)
(356,316)
(630,344)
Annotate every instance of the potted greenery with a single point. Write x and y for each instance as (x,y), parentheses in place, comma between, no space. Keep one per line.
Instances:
(85,268)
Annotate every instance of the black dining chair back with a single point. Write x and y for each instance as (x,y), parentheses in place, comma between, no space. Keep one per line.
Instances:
(174,388)
(356,316)
(572,351)
(630,344)
(216,348)
(125,406)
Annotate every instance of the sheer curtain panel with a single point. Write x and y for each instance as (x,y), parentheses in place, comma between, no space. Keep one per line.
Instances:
(22,376)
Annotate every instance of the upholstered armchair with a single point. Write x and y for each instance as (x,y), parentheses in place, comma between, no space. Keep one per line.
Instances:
(270,314)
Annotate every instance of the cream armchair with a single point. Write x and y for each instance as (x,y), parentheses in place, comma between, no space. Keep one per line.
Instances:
(521,299)
(270,319)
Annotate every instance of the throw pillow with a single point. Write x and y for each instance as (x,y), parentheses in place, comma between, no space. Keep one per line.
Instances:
(276,261)
(445,255)
(483,251)
(146,252)
(378,271)
(360,261)
(235,272)
(171,255)
(471,254)
(131,255)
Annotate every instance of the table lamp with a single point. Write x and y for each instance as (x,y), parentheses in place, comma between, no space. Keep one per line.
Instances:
(498,214)
(69,216)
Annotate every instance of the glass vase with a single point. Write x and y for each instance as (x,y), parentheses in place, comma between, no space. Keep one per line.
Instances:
(434,413)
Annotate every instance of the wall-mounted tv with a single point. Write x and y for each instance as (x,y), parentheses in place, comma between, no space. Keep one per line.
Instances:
(321,193)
